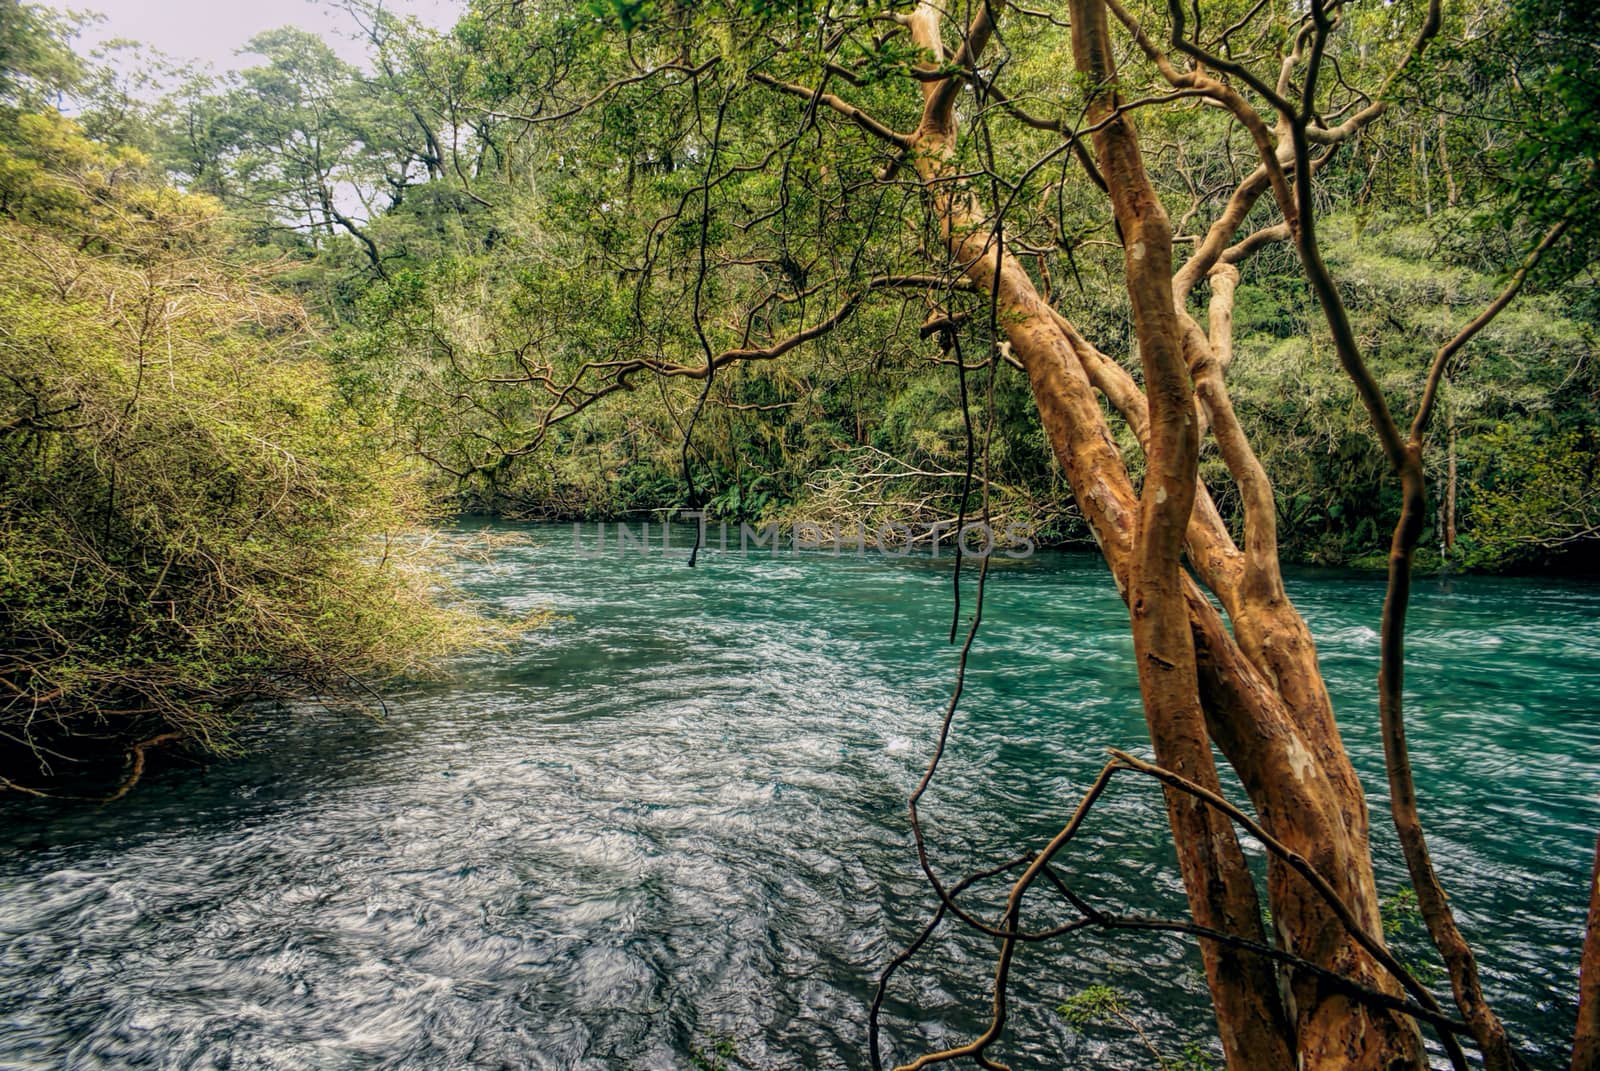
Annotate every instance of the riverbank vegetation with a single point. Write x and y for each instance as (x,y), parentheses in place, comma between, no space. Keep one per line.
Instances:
(465,249)
(189,523)
(1215,287)
(469,247)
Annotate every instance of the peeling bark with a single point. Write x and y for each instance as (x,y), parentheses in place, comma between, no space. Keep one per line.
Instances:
(1256,692)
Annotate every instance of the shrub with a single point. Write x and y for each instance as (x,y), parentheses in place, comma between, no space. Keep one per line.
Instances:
(187,523)
(1539,495)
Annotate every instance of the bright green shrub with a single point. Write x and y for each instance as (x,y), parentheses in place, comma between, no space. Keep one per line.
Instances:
(187,523)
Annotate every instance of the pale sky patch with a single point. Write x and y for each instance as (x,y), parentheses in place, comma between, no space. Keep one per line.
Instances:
(213,32)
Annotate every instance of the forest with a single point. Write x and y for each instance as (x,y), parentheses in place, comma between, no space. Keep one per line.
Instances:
(1211,292)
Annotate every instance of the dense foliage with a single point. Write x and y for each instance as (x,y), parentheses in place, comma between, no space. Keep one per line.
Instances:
(483,213)
(187,521)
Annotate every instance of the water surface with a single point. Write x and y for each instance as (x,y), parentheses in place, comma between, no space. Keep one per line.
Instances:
(673,823)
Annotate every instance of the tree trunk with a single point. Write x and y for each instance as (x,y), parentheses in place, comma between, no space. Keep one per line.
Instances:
(1452,194)
(1261,697)
(1586,1042)
(1450,491)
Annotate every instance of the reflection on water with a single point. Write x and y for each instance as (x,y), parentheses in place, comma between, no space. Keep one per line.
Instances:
(674,820)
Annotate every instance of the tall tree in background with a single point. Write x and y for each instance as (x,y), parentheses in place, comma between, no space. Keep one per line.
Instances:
(36,64)
(300,142)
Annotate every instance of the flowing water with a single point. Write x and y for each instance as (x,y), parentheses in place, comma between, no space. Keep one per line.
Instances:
(669,830)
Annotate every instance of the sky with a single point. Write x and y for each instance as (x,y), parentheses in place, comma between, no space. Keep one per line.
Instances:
(211,31)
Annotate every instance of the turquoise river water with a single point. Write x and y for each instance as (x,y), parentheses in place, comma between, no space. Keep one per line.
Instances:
(669,830)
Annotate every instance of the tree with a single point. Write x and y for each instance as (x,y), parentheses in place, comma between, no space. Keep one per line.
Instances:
(37,65)
(187,524)
(297,144)
(754,179)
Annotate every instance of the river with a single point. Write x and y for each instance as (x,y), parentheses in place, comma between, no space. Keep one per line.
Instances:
(668,830)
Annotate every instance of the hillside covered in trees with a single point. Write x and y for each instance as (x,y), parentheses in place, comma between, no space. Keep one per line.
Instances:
(486,225)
